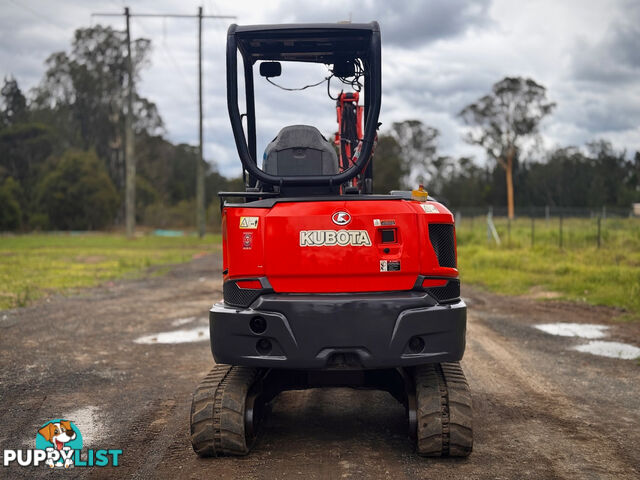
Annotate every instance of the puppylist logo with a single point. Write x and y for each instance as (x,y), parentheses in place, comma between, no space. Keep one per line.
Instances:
(59,445)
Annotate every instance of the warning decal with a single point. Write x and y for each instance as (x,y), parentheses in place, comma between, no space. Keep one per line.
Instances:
(389,265)
(381,223)
(428,208)
(249,222)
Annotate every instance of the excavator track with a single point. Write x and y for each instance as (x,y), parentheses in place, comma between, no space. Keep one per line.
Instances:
(222,410)
(443,411)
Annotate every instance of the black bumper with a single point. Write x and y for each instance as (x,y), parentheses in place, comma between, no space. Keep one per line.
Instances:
(339,331)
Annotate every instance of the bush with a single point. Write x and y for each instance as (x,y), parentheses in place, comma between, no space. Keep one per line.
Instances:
(181,215)
(214,217)
(146,195)
(78,193)
(10,211)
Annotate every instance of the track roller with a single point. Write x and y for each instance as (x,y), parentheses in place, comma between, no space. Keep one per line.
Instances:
(443,417)
(225,411)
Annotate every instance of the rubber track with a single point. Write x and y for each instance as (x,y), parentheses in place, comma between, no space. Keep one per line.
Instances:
(217,412)
(444,411)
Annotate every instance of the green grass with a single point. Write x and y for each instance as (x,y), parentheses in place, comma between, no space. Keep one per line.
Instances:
(580,271)
(33,266)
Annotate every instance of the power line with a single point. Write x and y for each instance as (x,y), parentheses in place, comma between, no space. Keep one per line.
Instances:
(166,51)
(200,193)
(168,55)
(216,12)
(165,15)
(36,14)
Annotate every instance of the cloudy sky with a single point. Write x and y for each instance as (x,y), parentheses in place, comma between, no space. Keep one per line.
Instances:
(438,56)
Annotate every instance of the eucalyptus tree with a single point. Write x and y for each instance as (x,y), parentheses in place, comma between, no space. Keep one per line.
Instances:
(502,120)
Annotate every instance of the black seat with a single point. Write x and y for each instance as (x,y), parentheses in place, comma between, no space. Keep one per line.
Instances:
(300,150)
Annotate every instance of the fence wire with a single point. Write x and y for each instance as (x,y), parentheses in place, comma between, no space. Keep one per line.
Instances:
(564,228)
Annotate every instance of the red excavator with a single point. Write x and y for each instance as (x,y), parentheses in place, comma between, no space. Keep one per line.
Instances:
(326,284)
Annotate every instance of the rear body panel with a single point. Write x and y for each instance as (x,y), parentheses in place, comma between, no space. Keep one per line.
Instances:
(300,249)
(368,282)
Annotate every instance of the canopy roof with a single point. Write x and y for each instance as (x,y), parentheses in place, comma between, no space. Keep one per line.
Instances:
(315,42)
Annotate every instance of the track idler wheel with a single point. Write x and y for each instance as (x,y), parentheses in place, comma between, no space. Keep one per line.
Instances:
(225,412)
(443,418)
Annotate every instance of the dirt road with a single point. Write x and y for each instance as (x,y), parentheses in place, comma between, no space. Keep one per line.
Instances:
(542,410)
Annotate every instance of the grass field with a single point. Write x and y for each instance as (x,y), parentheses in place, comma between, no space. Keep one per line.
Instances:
(32,266)
(580,271)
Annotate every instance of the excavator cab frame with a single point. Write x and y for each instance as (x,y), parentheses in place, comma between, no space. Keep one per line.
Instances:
(338,45)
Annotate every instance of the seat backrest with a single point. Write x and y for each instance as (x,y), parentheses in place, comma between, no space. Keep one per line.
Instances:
(300,150)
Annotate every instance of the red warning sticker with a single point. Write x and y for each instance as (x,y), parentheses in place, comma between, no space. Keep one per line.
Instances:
(247,240)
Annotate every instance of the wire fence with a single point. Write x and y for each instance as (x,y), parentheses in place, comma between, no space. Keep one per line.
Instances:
(564,228)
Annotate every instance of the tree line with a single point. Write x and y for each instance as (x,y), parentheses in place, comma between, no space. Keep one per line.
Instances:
(62,151)
(589,176)
(504,123)
(62,148)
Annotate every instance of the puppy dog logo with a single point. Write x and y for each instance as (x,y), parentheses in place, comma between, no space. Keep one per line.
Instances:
(59,438)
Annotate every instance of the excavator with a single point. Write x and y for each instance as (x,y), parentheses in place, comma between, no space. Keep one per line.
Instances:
(326,284)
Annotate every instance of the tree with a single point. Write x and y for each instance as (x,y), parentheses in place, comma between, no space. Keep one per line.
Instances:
(84,93)
(14,103)
(10,211)
(389,169)
(78,193)
(23,149)
(502,120)
(467,185)
(418,145)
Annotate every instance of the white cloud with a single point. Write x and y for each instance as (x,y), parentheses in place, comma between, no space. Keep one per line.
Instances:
(438,56)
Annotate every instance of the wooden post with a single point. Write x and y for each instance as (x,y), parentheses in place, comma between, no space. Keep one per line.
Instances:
(532,231)
(200,207)
(560,231)
(547,214)
(130,192)
(130,159)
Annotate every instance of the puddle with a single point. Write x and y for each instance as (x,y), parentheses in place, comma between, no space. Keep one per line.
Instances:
(596,347)
(182,321)
(610,349)
(86,420)
(582,330)
(199,334)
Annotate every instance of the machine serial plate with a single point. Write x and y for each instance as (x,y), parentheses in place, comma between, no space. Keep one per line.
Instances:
(389,265)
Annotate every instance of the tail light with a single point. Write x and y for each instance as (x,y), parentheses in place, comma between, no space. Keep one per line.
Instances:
(243,292)
(444,290)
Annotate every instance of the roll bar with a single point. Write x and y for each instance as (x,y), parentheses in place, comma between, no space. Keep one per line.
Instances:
(373,93)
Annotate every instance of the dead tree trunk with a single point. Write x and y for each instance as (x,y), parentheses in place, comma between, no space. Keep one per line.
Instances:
(509,173)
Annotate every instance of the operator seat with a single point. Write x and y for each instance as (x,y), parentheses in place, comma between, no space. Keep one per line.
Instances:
(300,150)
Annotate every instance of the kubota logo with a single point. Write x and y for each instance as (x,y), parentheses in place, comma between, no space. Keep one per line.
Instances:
(331,238)
(341,218)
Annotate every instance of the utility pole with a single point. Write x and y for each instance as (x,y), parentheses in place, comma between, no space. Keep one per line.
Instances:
(200,212)
(129,152)
(129,146)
